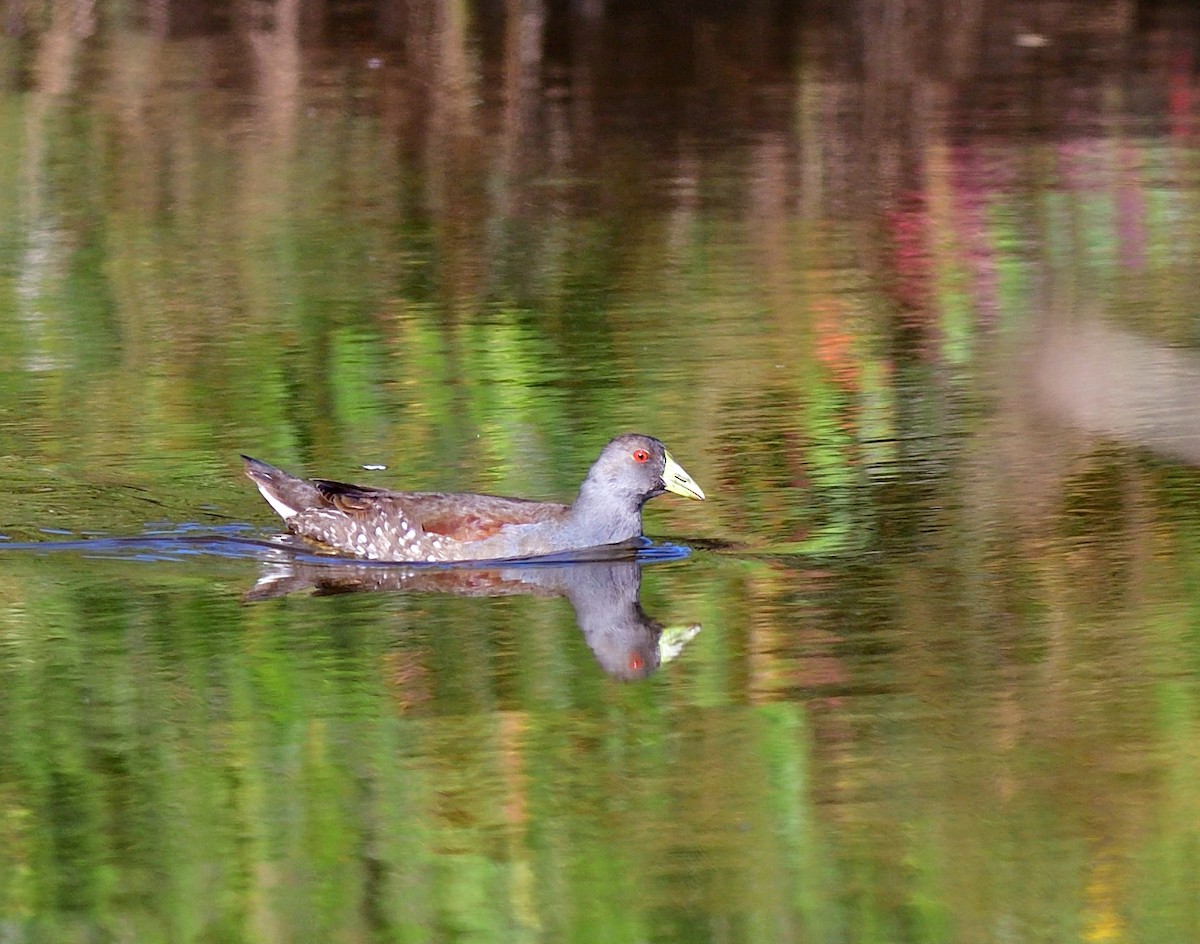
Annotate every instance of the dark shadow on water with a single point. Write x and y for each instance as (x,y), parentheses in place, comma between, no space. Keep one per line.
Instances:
(178,542)
(602,584)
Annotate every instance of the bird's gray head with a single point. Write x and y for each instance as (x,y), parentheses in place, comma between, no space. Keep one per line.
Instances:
(633,469)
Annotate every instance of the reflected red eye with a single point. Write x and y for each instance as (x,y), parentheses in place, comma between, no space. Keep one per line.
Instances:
(635,662)
(640,455)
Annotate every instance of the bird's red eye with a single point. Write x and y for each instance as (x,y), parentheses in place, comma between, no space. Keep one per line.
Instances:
(635,662)
(640,455)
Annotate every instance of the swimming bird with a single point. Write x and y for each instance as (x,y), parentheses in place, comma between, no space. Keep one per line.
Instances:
(378,524)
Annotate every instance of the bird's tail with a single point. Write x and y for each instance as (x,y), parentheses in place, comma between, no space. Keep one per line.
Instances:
(285,493)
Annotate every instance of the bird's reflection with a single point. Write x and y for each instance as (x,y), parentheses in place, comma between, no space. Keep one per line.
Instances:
(626,642)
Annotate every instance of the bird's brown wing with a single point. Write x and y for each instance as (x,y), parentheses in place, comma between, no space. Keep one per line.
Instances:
(470,518)
(460,517)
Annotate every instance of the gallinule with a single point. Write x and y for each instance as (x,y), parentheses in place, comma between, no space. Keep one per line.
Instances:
(433,526)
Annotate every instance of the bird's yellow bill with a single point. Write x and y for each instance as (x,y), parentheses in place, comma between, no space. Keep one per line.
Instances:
(677,481)
(673,639)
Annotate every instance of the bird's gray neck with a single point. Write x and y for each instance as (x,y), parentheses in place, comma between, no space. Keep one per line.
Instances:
(605,517)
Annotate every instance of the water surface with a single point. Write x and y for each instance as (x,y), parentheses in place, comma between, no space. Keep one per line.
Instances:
(914,302)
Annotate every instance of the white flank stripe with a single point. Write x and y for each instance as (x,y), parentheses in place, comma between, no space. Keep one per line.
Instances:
(284,511)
